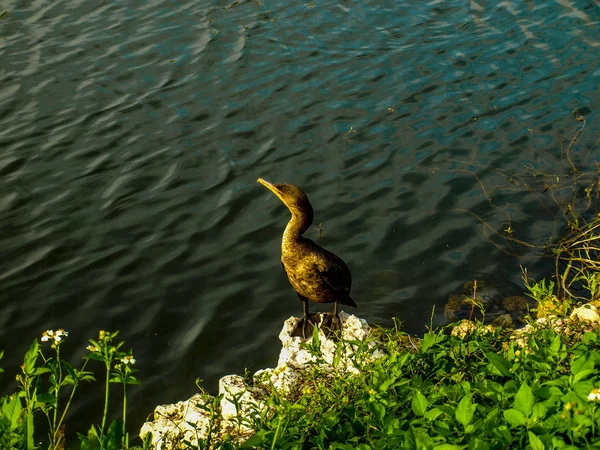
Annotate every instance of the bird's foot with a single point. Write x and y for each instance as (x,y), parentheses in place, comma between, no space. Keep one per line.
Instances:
(304,327)
(331,325)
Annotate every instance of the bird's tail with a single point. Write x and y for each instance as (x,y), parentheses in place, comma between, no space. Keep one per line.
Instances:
(347,300)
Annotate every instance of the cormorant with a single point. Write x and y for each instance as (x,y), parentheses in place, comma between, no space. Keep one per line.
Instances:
(315,273)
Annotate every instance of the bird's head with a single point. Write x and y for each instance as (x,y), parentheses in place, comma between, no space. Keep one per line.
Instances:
(292,197)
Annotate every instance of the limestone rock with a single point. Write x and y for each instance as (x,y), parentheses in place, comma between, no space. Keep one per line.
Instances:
(191,420)
(588,313)
(582,319)
(295,356)
(171,424)
(466,327)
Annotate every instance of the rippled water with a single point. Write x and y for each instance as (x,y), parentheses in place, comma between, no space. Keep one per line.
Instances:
(132,134)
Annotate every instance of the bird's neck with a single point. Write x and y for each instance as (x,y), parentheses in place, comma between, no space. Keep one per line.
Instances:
(297,225)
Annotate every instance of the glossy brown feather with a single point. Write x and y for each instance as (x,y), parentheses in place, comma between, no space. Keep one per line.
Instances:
(315,273)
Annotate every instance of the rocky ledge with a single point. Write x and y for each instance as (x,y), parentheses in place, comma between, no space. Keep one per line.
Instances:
(203,419)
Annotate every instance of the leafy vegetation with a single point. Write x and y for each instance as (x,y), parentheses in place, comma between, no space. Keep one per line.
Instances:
(42,383)
(479,392)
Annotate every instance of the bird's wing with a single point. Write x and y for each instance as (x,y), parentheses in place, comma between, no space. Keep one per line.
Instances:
(339,282)
(335,273)
(334,279)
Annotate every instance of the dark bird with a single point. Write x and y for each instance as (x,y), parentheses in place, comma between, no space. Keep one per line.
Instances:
(315,273)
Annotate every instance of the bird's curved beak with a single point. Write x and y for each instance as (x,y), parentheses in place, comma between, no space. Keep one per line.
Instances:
(265,183)
(271,187)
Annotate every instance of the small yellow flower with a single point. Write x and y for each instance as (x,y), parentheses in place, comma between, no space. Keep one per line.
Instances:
(372,391)
(128,359)
(569,406)
(92,348)
(594,396)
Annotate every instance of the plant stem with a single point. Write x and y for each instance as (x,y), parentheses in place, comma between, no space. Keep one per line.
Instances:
(125,437)
(64,413)
(106,387)
(58,380)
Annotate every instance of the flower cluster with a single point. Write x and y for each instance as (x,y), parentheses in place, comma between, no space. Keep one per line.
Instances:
(55,336)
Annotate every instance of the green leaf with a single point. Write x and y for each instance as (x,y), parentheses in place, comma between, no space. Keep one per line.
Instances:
(31,357)
(255,440)
(535,442)
(315,343)
(114,436)
(581,375)
(91,441)
(40,370)
(589,337)
(539,411)
(556,345)
(514,417)
(581,363)
(478,444)
(429,340)
(11,410)
(72,373)
(524,400)
(465,410)
(95,356)
(337,356)
(449,447)
(387,383)
(46,399)
(492,417)
(502,365)
(419,403)
(378,410)
(433,414)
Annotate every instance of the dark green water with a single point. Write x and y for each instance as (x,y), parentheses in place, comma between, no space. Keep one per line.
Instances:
(132,134)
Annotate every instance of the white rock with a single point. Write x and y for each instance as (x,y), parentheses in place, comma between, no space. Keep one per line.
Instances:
(295,356)
(182,421)
(282,378)
(234,390)
(587,313)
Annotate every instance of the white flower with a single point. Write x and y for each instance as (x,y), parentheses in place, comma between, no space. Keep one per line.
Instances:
(47,335)
(60,333)
(128,359)
(594,396)
(56,336)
